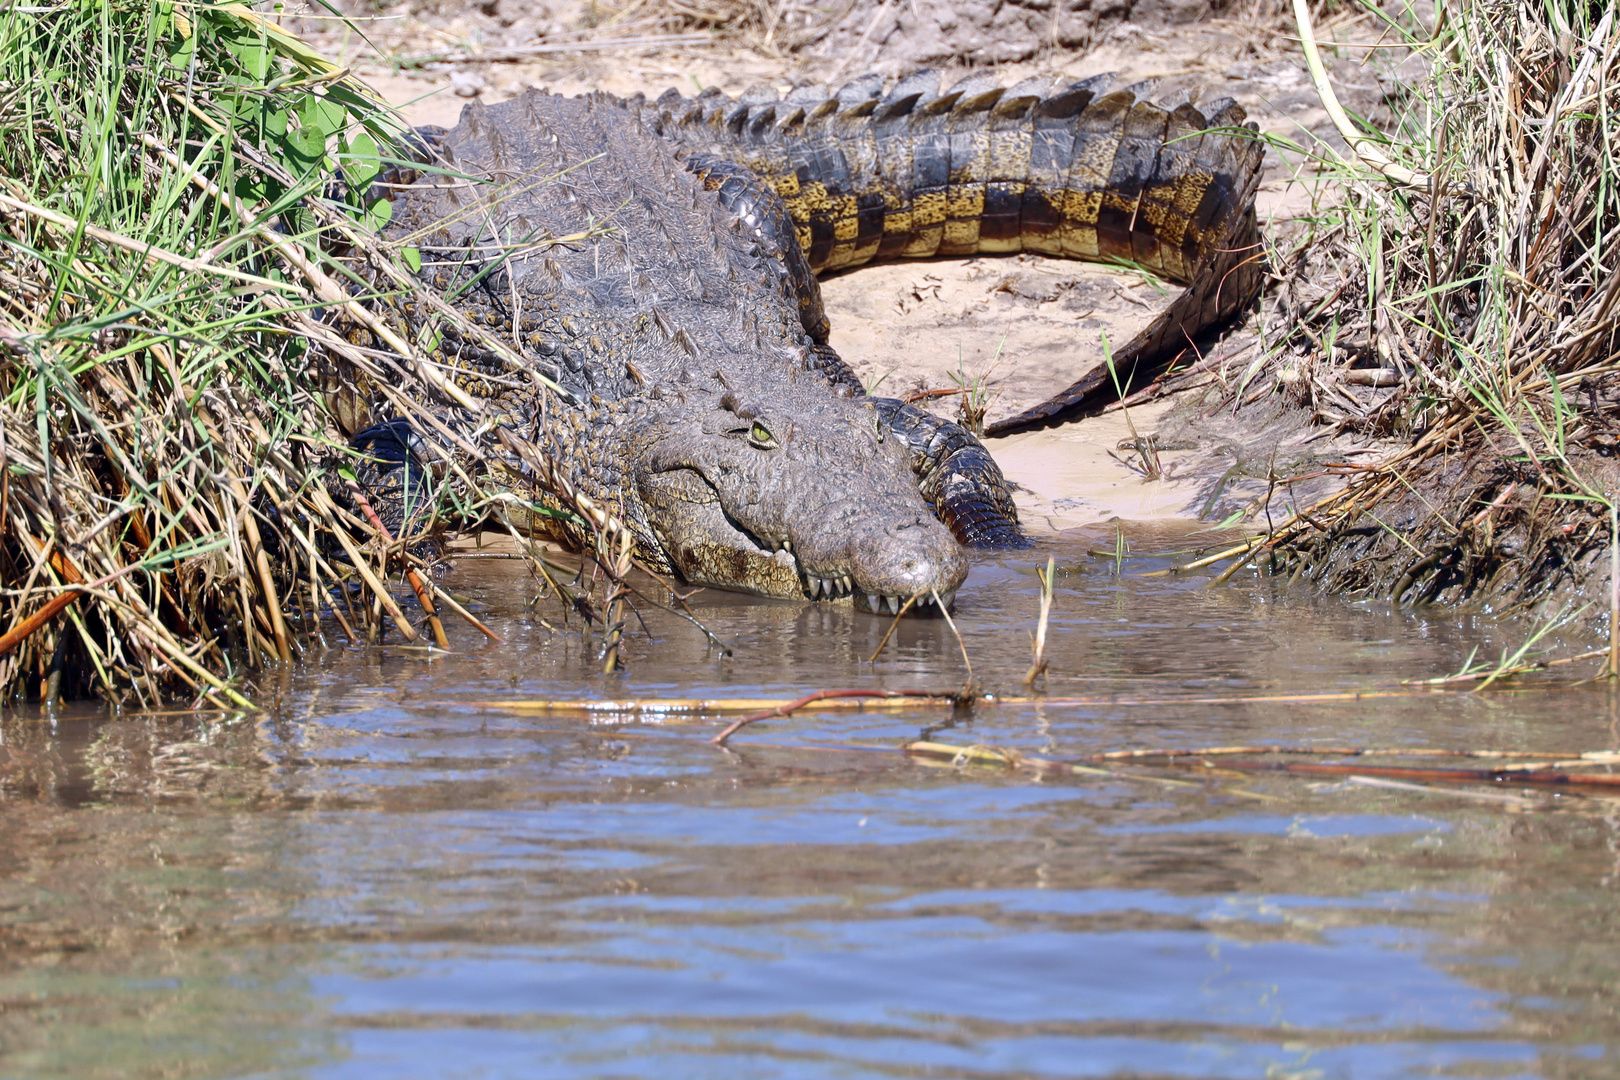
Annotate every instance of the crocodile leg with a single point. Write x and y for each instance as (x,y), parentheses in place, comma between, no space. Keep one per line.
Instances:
(957,476)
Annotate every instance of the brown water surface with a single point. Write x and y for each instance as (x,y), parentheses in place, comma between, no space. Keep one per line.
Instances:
(384,878)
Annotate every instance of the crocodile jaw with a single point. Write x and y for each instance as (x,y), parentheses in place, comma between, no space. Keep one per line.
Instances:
(882,559)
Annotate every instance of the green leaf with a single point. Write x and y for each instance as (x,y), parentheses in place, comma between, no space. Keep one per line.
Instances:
(251,51)
(412,258)
(252,188)
(305,150)
(361,163)
(378,215)
(275,117)
(182,51)
(301,221)
(324,116)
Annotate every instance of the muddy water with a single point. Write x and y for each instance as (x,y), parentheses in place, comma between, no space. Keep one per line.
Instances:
(386,879)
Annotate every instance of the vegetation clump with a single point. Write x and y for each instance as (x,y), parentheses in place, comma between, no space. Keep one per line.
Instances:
(187,199)
(1463,298)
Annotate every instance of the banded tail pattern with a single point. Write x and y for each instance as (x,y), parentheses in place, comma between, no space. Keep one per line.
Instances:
(1081,171)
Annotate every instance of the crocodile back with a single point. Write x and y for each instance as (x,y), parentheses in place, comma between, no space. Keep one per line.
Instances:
(571,229)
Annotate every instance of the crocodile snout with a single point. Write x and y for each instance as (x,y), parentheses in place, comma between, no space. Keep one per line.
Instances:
(914,556)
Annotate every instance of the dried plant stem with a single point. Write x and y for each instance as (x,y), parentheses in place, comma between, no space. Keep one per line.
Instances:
(1614,590)
(890,631)
(423,597)
(1364,147)
(785,708)
(613,607)
(1037,667)
(968,689)
(362,566)
(450,602)
(21,632)
(261,563)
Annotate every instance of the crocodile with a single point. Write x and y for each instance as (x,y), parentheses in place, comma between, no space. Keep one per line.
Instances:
(657,260)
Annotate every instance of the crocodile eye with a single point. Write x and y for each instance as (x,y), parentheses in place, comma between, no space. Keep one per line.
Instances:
(761,436)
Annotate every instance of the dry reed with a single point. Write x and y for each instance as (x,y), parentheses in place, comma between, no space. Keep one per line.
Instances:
(1464,299)
(177,327)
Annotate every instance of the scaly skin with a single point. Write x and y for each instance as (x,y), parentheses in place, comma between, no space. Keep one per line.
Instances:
(1078,171)
(689,333)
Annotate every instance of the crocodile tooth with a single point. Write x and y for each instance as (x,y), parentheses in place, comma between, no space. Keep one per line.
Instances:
(874,603)
(849,583)
(812,585)
(892,604)
(787,545)
(827,587)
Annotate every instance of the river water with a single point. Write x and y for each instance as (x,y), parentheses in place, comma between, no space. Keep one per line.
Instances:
(397,874)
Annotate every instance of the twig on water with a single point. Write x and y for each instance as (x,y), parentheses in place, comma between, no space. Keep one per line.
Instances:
(894,623)
(661,707)
(1198,564)
(1533,777)
(1038,667)
(822,695)
(1510,670)
(423,596)
(1613,670)
(970,688)
(1540,772)
(1014,759)
(451,603)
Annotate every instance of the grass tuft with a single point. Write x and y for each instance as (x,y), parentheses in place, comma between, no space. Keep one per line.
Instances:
(187,259)
(1463,298)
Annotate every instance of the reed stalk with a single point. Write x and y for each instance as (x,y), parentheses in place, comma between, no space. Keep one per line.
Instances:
(1462,300)
(188,254)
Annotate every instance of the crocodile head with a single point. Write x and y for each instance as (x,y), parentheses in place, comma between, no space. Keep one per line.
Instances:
(795,495)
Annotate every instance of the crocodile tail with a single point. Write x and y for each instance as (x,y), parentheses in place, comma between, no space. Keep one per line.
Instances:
(1227,284)
(910,170)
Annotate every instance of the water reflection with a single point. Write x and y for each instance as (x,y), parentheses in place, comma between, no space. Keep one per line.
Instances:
(382,879)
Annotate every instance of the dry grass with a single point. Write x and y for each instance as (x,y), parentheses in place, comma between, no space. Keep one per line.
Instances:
(176,506)
(1464,297)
